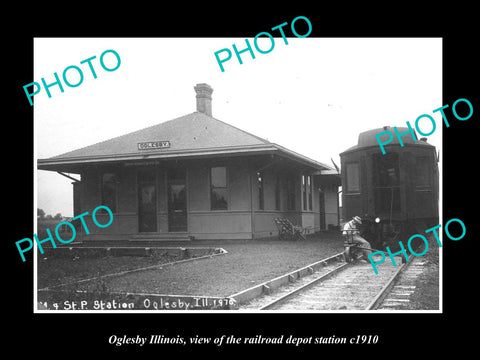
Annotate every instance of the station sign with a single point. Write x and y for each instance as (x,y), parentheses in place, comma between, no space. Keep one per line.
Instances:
(152,145)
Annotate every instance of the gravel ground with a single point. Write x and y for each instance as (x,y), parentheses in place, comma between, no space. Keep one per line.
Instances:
(247,263)
(353,288)
(427,294)
(418,286)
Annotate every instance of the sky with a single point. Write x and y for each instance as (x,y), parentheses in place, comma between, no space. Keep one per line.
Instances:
(313,96)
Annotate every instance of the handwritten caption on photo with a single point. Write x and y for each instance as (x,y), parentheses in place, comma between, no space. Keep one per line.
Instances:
(85,301)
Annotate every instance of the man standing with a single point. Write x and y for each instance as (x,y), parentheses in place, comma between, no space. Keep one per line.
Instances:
(352,226)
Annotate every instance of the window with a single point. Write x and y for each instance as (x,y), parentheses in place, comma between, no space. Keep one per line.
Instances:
(109,191)
(147,200)
(77,198)
(386,170)
(352,181)
(422,172)
(307,190)
(310,192)
(291,193)
(386,183)
(218,188)
(304,192)
(277,193)
(260,184)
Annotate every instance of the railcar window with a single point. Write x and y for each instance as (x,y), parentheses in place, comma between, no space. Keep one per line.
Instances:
(386,170)
(422,172)
(386,182)
(352,177)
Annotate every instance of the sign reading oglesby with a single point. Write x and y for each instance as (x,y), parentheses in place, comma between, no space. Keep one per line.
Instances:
(152,145)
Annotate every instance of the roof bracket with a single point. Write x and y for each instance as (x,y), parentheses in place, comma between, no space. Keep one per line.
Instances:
(76,180)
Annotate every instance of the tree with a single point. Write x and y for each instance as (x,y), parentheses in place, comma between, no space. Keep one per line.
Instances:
(58,216)
(40,214)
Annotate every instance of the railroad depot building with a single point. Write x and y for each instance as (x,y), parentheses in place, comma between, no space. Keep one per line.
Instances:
(196,177)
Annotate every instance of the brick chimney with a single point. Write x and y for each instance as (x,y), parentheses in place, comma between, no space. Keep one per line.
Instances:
(204,98)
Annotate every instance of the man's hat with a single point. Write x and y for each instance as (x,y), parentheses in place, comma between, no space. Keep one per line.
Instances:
(358,219)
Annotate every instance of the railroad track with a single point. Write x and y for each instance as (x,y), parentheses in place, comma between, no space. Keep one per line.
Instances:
(399,296)
(339,286)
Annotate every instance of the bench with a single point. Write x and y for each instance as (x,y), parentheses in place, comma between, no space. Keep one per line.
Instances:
(287,230)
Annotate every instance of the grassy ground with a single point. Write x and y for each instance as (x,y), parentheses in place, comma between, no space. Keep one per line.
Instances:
(247,263)
(56,271)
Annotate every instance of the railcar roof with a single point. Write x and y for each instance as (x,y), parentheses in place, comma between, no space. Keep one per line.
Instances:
(368,138)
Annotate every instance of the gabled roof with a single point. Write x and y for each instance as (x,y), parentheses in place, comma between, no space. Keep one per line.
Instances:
(195,134)
(195,131)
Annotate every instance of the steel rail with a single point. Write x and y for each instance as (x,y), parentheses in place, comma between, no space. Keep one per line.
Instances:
(386,289)
(377,300)
(303,287)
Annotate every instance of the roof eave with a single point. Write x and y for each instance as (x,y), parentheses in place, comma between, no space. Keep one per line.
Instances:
(302,159)
(54,164)
(58,164)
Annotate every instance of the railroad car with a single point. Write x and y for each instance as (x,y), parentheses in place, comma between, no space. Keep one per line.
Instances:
(395,193)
